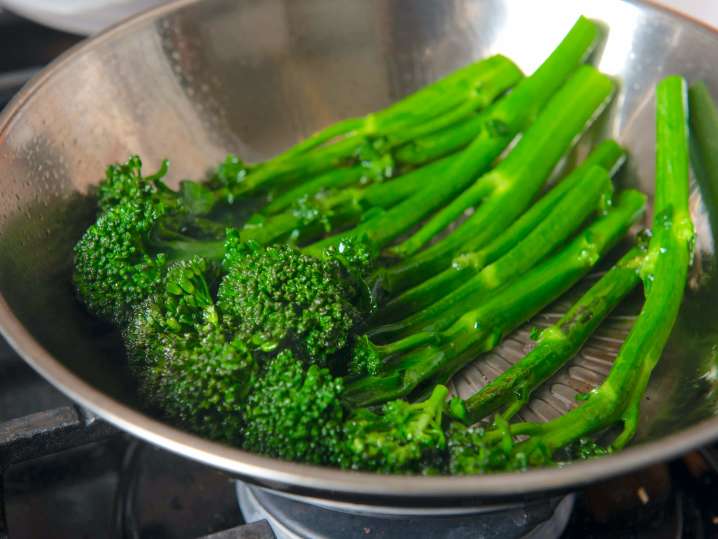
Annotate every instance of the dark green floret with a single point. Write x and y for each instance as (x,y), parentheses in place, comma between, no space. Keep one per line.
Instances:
(294,413)
(470,453)
(124,182)
(401,438)
(275,296)
(365,358)
(205,383)
(115,266)
(185,362)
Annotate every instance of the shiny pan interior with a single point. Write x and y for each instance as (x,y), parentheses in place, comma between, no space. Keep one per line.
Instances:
(195,79)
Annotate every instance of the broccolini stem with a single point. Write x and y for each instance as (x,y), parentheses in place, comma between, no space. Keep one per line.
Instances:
(440,143)
(389,193)
(664,273)
(558,343)
(338,210)
(436,99)
(342,127)
(489,79)
(608,155)
(546,282)
(185,249)
(448,304)
(334,179)
(482,328)
(516,179)
(704,132)
(537,151)
(501,123)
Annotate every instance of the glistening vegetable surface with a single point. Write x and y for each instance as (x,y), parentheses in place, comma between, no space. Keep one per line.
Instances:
(315,307)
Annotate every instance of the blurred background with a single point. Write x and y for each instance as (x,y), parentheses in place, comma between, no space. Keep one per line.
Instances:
(86,17)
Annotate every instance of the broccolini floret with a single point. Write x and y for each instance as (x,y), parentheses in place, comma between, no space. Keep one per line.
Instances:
(403,437)
(121,258)
(186,364)
(115,265)
(275,297)
(295,413)
(123,182)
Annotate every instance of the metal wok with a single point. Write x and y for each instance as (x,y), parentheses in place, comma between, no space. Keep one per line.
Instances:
(195,79)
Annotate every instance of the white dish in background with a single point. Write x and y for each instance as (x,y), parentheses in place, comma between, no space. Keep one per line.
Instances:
(78,16)
(91,16)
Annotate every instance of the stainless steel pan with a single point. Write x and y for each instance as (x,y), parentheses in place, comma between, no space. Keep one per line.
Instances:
(195,79)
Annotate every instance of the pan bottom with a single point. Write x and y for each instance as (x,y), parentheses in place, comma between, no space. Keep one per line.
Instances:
(293,517)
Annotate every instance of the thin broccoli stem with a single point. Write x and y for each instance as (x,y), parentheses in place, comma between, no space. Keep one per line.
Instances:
(424,147)
(388,194)
(175,250)
(704,133)
(334,179)
(448,304)
(608,155)
(482,328)
(501,123)
(557,343)
(558,273)
(441,98)
(337,210)
(664,275)
(489,79)
(342,127)
(516,179)
(440,143)
(433,407)
(538,151)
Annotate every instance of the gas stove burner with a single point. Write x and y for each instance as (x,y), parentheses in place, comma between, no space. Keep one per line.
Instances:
(295,517)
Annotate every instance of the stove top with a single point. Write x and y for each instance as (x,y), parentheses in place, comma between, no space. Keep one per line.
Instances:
(66,474)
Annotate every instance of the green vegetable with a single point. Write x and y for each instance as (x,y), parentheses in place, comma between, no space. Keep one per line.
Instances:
(607,155)
(506,191)
(184,362)
(401,438)
(663,272)
(293,413)
(445,292)
(122,257)
(556,344)
(704,132)
(433,108)
(433,357)
(309,217)
(286,334)
(277,297)
(501,122)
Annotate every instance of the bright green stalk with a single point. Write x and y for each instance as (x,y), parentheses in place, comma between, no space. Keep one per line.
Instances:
(434,357)
(502,122)
(515,181)
(556,344)
(424,149)
(449,304)
(704,134)
(489,79)
(334,179)
(664,275)
(456,90)
(339,209)
(608,155)
(441,143)
(536,154)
